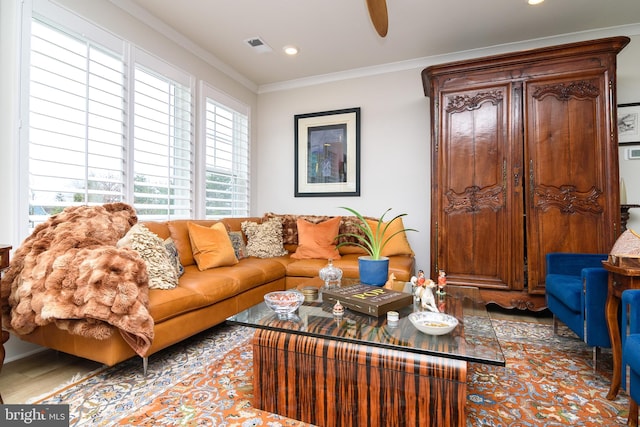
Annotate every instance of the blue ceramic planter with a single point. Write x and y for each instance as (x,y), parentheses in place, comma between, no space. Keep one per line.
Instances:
(373,272)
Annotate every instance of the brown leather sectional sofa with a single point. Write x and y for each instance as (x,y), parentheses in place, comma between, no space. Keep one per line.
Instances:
(206,298)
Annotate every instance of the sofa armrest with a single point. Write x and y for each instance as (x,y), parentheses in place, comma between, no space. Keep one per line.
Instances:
(631,308)
(596,284)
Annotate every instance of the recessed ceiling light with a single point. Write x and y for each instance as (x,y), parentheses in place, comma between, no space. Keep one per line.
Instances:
(533,2)
(290,50)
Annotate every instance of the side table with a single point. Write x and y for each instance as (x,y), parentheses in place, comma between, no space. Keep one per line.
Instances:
(4,263)
(620,279)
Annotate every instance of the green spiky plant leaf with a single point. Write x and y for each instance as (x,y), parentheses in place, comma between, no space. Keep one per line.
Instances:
(372,239)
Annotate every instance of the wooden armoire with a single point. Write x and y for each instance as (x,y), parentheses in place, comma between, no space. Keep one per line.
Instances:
(524,161)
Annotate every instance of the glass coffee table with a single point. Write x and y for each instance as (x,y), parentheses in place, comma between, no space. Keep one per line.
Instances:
(338,371)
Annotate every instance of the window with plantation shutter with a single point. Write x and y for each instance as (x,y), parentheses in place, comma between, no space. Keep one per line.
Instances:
(108,122)
(92,140)
(76,110)
(162,164)
(227,156)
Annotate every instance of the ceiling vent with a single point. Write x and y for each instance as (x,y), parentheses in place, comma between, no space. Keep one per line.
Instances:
(257,44)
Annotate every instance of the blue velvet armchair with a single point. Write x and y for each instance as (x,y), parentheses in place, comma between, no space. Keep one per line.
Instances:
(631,350)
(576,290)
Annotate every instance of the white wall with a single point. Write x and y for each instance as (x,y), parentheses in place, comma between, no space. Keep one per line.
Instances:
(629,92)
(394,150)
(9,88)
(395,145)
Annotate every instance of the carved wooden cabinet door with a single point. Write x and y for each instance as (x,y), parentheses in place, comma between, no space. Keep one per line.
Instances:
(570,169)
(477,200)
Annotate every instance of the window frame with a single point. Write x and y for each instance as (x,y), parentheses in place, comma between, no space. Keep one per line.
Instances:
(206,91)
(97,119)
(151,64)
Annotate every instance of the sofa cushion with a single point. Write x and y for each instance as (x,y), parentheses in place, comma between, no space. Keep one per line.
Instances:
(402,266)
(235,223)
(211,246)
(220,283)
(317,240)
(264,240)
(167,303)
(398,245)
(566,289)
(161,228)
(215,284)
(254,272)
(160,269)
(310,267)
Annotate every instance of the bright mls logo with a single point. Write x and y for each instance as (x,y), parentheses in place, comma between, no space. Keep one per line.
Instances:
(34,415)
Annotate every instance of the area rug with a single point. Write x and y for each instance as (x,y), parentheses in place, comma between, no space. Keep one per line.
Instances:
(548,380)
(207,380)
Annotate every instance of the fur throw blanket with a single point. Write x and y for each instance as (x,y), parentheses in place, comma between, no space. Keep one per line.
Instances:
(70,272)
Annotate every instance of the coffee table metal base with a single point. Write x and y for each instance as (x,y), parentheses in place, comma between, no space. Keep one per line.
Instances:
(334,383)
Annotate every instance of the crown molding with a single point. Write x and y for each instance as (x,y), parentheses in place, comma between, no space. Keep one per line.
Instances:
(142,15)
(419,63)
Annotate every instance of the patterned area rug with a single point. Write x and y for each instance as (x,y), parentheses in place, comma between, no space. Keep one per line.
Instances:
(548,381)
(207,380)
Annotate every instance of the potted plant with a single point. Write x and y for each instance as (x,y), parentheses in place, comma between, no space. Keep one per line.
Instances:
(374,267)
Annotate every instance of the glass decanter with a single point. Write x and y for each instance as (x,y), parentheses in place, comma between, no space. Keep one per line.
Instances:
(331,275)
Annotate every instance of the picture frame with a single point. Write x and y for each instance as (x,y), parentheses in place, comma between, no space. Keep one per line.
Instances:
(629,123)
(327,153)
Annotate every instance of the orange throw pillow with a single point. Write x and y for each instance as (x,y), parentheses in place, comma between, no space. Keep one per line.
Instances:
(211,246)
(317,240)
(398,245)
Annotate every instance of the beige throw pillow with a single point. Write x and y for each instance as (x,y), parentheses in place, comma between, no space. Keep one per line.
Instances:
(150,247)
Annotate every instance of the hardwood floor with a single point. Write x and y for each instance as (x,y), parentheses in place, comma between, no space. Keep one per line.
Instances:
(27,378)
(24,379)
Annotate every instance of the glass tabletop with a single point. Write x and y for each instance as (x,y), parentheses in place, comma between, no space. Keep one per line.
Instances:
(473,340)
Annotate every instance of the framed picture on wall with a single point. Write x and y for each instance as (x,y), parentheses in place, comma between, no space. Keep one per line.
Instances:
(327,153)
(629,123)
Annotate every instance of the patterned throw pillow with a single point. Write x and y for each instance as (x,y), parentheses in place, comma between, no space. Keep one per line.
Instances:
(290,225)
(237,241)
(172,251)
(349,225)
(290,228)
(264,240)
(150,247)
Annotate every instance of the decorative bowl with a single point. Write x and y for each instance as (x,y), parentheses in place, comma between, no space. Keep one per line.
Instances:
(284,302)
(433,323)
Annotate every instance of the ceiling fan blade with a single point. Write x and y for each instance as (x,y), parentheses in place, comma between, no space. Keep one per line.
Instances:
(378,14)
